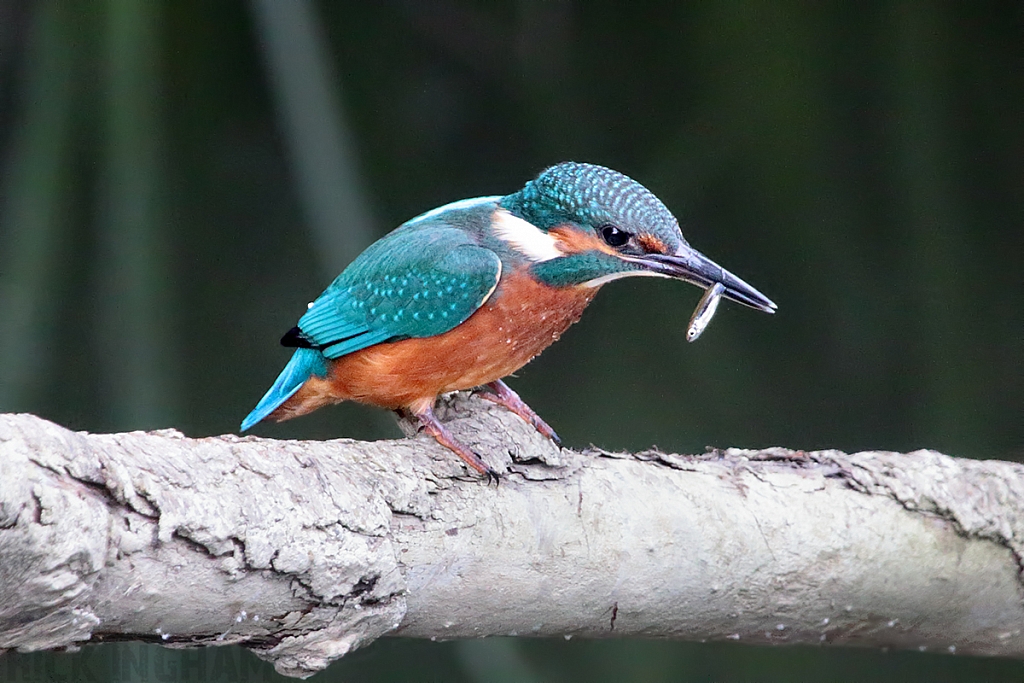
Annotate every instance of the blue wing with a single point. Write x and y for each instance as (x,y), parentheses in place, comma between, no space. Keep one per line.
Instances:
(413,282)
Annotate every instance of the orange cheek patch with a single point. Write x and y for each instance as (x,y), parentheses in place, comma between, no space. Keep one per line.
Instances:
(573,241)
(651,244)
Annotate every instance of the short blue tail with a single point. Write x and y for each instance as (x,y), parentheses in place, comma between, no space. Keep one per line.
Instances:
(304,364)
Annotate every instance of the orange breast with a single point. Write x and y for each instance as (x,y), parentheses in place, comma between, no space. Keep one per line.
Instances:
(521,319)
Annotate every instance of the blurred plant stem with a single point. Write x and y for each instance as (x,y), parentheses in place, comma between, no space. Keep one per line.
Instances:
(33,204)
(318,142)
(135,348)
(938,254)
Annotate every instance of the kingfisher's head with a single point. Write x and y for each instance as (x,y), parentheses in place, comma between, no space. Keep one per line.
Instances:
(585,225)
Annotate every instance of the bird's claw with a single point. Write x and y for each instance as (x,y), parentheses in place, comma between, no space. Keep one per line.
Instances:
(430,424)
(545,429)
(501,394)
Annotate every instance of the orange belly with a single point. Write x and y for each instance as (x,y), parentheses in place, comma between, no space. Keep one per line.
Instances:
(521,319)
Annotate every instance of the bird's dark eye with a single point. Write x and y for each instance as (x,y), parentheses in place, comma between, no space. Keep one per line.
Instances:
(613,236)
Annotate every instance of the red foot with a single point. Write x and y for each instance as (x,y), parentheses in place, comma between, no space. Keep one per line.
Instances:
(432,426)
(504,396)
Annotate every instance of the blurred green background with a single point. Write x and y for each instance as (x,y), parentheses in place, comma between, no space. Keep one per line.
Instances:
(177,180)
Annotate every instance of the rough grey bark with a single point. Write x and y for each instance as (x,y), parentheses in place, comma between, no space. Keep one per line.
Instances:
(302,551)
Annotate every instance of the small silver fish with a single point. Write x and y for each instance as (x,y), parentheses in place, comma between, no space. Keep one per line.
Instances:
(705,311)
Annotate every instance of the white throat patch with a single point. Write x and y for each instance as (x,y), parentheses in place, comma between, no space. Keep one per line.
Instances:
(525,237)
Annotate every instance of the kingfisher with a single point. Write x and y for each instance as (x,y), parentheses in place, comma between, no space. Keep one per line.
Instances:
(466,294)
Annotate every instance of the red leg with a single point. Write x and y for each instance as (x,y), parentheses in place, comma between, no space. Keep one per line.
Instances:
(440,433)
(504,396)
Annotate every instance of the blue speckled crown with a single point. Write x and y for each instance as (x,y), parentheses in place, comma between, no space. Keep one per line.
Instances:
(591,194)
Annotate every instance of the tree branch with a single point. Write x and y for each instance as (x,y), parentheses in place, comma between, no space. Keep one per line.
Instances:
(302,551)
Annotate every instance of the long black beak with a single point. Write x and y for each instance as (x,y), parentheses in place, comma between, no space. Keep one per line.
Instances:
(694,267)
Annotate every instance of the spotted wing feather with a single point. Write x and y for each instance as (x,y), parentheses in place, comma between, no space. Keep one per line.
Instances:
(412,283)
